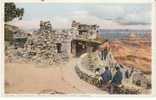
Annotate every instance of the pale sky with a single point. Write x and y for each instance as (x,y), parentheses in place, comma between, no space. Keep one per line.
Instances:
(107,16)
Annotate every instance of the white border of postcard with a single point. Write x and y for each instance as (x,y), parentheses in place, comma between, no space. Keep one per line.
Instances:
(153,2)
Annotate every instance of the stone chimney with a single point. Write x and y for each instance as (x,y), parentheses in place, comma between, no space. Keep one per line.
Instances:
(45,25)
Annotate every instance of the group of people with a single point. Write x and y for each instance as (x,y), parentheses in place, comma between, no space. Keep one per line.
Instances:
(109,81)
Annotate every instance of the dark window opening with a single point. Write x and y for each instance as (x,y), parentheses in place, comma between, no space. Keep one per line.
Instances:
(80,33)
(58,46)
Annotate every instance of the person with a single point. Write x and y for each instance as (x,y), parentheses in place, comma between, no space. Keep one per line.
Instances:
(97,71)
(117,79)
(102,55)
(127,75)
(107,75)
(106,78)
(132,70)
(106,49)
(97,77)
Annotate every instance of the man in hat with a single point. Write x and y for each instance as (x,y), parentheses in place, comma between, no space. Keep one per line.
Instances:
(117,79)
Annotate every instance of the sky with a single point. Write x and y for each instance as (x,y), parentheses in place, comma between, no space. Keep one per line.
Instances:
(107,16)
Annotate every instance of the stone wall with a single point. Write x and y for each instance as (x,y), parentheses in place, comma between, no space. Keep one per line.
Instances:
(89,77)
(85,74)
(47,45)
(84,31)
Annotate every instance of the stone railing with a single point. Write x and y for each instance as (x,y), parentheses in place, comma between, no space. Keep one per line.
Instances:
(89,77)
(85,74)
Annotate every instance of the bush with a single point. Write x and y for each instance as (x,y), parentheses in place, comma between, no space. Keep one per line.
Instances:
(8,35)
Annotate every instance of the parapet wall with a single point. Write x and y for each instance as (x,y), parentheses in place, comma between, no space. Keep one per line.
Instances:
(83,73)
(89,77)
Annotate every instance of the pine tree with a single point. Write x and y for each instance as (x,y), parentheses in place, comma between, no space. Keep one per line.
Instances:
(11,12)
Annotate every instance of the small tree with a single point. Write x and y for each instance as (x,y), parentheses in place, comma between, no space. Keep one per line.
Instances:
(12,12)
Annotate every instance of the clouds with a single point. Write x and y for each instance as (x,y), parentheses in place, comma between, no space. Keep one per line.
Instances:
(123,13)
(106,11)
(107,16)
(138,18)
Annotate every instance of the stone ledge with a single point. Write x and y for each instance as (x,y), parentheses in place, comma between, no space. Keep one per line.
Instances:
(89,77)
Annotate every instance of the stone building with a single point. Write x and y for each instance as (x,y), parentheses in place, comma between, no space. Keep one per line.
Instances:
(47,44)
(84,31)
(84,37)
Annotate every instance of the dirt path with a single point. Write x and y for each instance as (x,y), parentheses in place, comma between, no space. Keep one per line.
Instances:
(39,79)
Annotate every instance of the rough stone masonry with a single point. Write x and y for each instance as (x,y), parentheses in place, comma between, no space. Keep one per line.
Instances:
(49,46)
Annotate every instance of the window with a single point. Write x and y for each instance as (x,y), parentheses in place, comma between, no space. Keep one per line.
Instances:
(58,46)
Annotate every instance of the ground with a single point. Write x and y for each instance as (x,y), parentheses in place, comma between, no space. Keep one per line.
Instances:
(21,78)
